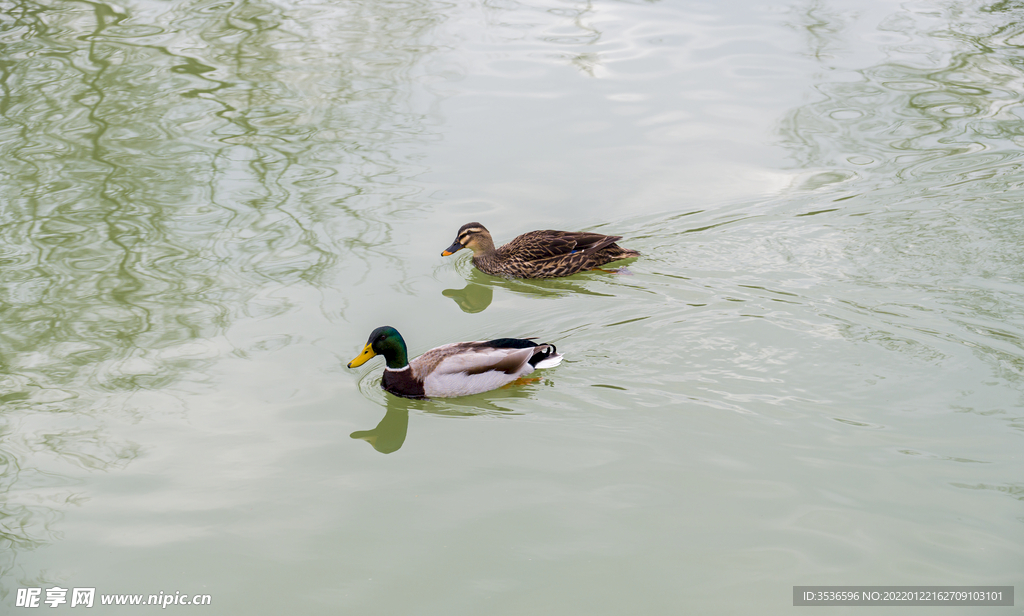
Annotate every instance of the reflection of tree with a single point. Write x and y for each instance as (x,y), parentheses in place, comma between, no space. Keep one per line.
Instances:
(570,27)
(823,30)
(952,87)
(933,133)
(161,172)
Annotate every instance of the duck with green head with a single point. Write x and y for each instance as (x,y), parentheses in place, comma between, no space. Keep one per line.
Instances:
(456,369)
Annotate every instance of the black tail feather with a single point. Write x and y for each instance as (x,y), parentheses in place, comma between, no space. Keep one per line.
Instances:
(511,343)
(546,353)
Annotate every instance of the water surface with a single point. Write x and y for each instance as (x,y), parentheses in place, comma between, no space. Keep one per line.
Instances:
(814,374)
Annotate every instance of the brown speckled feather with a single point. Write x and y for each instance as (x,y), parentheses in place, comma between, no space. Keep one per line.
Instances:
(544,254)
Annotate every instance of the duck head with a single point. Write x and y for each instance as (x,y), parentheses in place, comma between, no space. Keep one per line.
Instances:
(384,341)
(474,236)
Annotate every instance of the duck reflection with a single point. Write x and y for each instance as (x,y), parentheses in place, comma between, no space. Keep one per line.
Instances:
(390,433)
(478,293)
(473,298)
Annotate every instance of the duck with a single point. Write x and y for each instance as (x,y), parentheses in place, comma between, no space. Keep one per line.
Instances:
(539,254)
(456,369)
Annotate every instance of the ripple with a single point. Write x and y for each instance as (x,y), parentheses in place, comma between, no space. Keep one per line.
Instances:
(955,110)
(179,170)
(1013,490)
(846,114)
(964,162)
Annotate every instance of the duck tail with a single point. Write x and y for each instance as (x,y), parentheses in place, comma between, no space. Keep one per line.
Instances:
(547,356)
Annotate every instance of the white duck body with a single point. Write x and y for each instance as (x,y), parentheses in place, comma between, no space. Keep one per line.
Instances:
(465,368)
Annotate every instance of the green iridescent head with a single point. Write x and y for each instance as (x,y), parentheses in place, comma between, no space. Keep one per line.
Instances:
(384,341)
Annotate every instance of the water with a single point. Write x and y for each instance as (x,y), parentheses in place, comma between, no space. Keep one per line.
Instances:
(813,375)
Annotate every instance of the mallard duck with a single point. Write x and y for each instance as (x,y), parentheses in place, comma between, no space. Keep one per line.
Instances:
(539,254)
(456,369)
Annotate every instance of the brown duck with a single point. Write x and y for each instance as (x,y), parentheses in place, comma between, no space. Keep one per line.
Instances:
(539,254)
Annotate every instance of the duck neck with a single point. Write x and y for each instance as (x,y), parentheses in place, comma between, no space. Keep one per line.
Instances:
(396,355)
(483,246)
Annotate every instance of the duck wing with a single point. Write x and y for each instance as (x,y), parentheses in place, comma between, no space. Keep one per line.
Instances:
(549,243)
(539,245)
(482,359)
(592,242)
(474,367)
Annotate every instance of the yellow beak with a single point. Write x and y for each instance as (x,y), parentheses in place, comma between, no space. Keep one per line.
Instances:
(365,356)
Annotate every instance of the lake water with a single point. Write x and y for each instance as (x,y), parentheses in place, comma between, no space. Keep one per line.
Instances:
(814,375)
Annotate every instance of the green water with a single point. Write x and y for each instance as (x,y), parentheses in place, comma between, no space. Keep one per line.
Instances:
(813,376)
